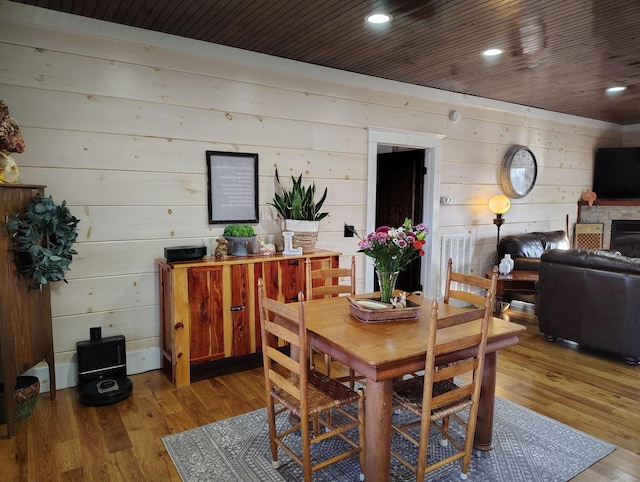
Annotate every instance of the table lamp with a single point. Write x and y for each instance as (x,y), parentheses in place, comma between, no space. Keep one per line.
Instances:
(499,205)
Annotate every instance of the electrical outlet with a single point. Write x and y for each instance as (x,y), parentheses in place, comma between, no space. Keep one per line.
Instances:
(349,230)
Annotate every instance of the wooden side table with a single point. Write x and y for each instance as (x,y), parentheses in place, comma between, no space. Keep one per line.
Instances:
(518,281)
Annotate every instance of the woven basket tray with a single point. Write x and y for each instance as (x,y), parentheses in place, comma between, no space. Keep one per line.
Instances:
(363,309)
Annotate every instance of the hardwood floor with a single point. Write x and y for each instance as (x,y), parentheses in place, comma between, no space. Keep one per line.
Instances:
(66,441)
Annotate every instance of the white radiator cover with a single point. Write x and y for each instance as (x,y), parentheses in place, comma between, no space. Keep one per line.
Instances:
(458,248)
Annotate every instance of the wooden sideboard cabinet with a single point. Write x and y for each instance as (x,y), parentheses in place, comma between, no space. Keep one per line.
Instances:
(26,333)
(209,307)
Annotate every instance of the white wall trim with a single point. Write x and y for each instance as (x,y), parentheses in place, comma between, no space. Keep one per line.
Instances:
(27,14)
(432,143)
(138,361)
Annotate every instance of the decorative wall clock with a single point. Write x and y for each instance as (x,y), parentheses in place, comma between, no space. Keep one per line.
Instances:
(519,171)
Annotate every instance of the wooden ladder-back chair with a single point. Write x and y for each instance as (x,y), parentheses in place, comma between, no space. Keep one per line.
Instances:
(310,395)
(325,283)
(440,395)
(482,285)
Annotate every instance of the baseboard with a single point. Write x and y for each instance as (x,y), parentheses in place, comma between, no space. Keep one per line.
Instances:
(138,361)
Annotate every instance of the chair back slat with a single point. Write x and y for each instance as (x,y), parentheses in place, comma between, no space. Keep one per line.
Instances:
(460,343)
(452,396)
(325,282)
(455,369)
(280,309)
(331,290)
(282,359)
(330,273)
(477,286)
(285,384)
(282,333)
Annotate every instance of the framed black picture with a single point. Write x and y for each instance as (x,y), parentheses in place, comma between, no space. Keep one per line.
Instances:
(233,187)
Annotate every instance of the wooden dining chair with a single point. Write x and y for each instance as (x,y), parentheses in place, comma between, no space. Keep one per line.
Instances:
(468,288)
(309,395)
(439,396)
(325,283)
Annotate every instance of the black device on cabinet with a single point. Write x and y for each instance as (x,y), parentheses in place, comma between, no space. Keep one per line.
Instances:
(184,253)
(102,369)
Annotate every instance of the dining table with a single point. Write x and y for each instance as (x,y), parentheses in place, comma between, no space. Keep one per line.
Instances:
(383,351)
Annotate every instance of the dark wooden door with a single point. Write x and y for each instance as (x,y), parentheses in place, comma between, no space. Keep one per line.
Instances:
(400,194)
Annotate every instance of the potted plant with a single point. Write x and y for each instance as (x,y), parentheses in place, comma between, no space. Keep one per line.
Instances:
(241,238)
(300,211)
(45,235)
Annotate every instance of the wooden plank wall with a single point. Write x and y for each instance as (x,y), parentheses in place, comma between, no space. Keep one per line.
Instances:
(631,136)
(116,122)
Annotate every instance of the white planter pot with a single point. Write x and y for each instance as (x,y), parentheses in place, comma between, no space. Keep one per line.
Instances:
(301,225)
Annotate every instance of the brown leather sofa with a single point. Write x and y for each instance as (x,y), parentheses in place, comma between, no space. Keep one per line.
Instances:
(591,297)
(525,249)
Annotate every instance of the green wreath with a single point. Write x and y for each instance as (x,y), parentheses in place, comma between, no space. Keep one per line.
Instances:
(45,233)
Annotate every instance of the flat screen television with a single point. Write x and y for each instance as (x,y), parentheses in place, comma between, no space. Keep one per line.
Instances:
(616,173)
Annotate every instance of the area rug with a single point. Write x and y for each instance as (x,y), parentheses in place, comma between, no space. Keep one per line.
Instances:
(528,447)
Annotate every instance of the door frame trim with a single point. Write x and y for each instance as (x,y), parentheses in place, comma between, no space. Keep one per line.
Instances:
(432,145)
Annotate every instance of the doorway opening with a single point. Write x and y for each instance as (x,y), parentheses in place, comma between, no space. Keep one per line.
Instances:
(429,147)
(399,195)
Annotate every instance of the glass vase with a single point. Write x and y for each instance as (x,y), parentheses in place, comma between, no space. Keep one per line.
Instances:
(387,281)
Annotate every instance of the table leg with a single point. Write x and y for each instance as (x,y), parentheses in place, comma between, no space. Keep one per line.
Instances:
(378,431)
(483,439)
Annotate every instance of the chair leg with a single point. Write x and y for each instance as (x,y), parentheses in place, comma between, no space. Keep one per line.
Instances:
(423,449)
(445,428)
(468,441)
(306,450)
(361,431)
(352,382)
(272,433)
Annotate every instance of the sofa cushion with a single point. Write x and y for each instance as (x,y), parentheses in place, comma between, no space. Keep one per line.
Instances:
(525,245)
(526,248)
(611,261)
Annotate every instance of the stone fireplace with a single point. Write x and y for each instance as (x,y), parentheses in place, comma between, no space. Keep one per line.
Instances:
(623,214)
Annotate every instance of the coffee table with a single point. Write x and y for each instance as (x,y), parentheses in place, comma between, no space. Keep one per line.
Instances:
(518,281)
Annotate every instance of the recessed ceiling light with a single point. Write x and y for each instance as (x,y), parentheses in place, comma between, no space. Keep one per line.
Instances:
(379,18)
(492,52)
(613,90)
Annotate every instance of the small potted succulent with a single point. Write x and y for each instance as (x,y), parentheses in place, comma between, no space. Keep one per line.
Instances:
(241,238)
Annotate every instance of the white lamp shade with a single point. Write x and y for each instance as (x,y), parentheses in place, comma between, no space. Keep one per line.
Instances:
(499,204)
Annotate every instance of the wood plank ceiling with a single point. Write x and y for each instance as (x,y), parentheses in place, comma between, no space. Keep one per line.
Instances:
(559,55)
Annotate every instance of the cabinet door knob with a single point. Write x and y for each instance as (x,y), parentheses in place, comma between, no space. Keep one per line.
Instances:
(293,262)
(237,308)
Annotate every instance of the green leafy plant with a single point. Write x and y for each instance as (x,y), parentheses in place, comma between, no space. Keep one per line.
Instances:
(299,201)
(239,231)
(45,233)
